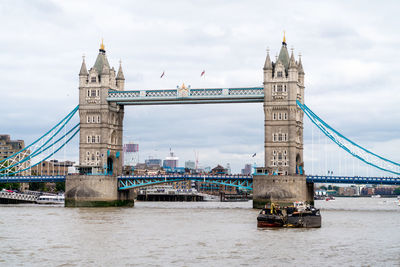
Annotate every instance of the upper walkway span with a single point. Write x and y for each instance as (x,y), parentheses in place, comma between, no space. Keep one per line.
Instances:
(185,95)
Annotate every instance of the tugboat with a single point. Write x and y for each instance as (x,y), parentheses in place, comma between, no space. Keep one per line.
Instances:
(303,216)
(299,215)
(270,217)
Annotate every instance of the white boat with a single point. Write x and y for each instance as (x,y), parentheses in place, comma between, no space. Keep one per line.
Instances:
(50,199)
(213,198)
(376,196)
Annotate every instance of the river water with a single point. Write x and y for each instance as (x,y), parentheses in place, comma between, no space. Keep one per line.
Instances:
(355,232)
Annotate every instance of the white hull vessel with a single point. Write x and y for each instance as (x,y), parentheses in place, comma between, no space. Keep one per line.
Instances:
(45,199)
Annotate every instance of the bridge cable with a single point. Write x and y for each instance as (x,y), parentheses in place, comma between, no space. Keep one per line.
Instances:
(323,127)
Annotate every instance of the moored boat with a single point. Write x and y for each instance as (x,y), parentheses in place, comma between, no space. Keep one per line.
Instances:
(299,215)
(50,199)
(303,216)
(270,217)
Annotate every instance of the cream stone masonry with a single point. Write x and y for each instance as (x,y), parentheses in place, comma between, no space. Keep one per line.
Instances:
(283,85)
(100,142)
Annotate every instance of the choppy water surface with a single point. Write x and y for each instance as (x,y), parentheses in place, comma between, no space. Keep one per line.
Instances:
(355,232)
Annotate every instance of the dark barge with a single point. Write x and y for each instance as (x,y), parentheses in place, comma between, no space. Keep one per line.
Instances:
(297,216)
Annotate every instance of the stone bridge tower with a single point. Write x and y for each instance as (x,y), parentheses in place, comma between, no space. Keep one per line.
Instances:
(282,180)
(100,142)
(283,85)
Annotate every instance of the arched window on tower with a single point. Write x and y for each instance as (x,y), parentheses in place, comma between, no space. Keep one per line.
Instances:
(113,137)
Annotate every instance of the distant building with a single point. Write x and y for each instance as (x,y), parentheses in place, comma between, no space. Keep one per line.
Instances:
(191,165)
(348,191)
(247,169)
(228,168)
(219,170)
(144,169)
(153,162)
(52,167)
(181,185)
(9,147)
(171,161)
(131,154)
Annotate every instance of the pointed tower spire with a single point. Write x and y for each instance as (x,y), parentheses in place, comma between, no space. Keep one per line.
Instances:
(268,64)
(120,75)
(101,59)
(300,66)
(83,67)
(284,54)
(102,49)
(284,39)
(292,61)
(120,78)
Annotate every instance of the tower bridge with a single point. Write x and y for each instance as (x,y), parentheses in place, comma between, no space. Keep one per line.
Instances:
(102,100)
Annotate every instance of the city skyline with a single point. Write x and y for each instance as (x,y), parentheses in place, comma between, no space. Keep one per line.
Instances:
(350,67)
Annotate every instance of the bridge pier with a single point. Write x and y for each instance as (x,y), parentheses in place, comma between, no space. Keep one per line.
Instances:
(281,189)
(96,191)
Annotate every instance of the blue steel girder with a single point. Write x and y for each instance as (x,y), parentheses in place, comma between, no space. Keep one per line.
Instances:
(187,96)
(243,182)
(128,182)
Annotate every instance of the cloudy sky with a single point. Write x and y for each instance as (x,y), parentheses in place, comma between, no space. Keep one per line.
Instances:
(349,51)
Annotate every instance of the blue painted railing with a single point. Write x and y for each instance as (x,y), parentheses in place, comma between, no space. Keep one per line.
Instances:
(352,180)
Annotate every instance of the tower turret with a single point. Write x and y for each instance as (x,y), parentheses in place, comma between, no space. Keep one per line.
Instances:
(120,77)
(292,68)
(83,73)
(301,71)
(268,68)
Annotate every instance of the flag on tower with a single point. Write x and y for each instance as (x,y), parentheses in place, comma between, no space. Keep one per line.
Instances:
(162,75)
(202,73)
